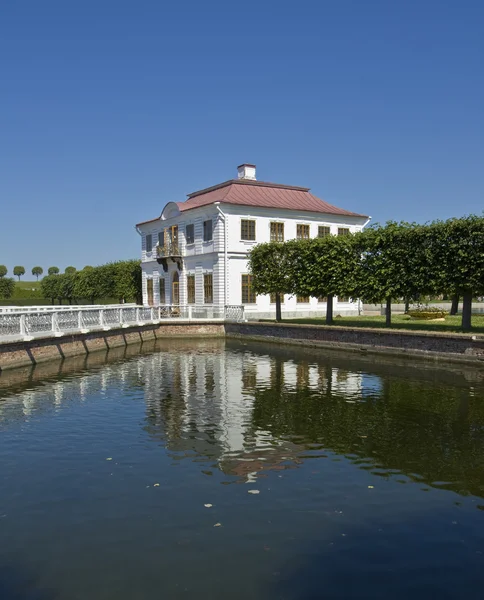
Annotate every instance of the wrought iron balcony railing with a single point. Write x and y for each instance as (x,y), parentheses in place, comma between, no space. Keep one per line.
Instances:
(168,250)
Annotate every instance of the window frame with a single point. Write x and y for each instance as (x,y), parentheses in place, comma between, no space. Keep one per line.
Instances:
(191,289)
(303,300)
(299,227)
(346,231)
(251,223)
(190,241)
(272,298)
(162,296)
(149,236)
(208,286)
(327,233)
(247,288)
(205,237)
(277,234)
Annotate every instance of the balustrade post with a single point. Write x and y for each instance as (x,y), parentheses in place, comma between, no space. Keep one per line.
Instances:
(190,312)
(23,329)
(152,314)
(137,314)
(121,316)
(101,317)
(55,324)
(79,319)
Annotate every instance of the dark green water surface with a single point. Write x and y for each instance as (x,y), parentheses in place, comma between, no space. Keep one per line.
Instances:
(224,470)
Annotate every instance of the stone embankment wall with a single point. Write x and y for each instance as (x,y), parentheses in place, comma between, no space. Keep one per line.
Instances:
(432,346)
(455,347)
(16,354)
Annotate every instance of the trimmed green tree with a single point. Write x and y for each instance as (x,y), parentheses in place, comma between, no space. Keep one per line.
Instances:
(37,271)
(3,270)
(7,287)
(53,270)
(127,281)
(18,271)
(324,267)
(51,287)
(394,264)
(458,260)
(70,270)
(270,271)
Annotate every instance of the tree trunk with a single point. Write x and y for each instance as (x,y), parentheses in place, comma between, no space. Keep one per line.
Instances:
(329,309)
(407,305)
(278,307)
(388,313)
(455,304)
(467,310)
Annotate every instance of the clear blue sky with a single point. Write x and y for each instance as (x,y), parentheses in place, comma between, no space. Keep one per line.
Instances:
(110,109)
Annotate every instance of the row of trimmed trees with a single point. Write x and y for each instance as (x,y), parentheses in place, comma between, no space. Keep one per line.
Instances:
(118,280)
(19,271)
(380,264)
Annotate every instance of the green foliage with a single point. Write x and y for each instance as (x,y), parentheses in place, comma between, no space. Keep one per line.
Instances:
(51,287)
(395,261)
(37,271)
(18,271)
(127,281)
(53,270)
(70,270)
(3,270)
(7,287)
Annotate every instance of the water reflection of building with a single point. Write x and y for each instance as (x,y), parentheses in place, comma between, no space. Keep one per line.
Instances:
(202,405)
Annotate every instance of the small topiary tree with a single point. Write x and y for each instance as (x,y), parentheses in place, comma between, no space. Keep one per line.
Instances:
(53,270)
(3,270)
(18,271)
(37,271)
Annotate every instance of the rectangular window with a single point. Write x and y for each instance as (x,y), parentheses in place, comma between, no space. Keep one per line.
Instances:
(207,231)
(208,285)
(277,232)
(248,294)
(302,299)
(322,299)
(149,242)
(323,231)
(343,231)
(162,291)
(343,299)
(191,289)
(247,230)
(190,234)
(161,238)
(303,232)
(273,298)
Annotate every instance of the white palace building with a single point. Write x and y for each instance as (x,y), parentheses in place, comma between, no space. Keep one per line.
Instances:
(195,252)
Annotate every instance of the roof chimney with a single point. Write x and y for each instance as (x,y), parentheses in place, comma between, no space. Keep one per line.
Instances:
(246,171)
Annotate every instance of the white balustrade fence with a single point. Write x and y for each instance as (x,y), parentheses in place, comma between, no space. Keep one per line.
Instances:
(27,324)
(57,308)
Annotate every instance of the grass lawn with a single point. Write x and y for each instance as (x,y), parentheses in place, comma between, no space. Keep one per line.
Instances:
(27,285)
(450,325)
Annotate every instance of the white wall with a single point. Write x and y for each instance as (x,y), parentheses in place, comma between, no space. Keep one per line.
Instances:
(209,257)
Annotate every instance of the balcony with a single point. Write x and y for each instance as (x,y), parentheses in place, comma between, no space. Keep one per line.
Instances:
(169,252)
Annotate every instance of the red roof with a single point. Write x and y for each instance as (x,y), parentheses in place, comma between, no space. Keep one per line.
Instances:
(246,192)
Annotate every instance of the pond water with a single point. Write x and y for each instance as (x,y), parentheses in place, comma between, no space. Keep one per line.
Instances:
(218,469)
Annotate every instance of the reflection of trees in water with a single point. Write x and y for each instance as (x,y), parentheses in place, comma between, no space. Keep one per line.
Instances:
(433,433)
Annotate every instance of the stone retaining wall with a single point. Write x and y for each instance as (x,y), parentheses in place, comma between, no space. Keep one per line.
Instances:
(433,346)
(17,354)
(455,347)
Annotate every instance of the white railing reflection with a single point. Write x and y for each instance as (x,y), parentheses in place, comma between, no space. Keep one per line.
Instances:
(27,324)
